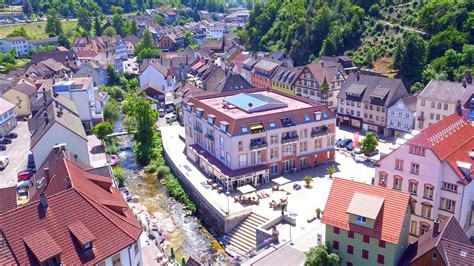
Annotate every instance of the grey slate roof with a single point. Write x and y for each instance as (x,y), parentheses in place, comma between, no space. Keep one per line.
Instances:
(286,74)
(448,91)
(410,102)
(234,82)
(380,91)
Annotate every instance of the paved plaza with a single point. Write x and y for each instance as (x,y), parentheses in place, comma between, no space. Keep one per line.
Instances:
(302,203)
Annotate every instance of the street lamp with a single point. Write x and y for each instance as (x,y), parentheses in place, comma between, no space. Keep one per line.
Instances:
(291,214)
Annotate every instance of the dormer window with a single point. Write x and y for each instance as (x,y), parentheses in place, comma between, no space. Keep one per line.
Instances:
(271,124)
(361,219)
(306,118)
(88,246)
(211,118)
(199,112)
(244,129)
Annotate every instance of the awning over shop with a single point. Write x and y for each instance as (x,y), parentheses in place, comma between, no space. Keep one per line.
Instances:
(246,189)
(281,180)
(256,126)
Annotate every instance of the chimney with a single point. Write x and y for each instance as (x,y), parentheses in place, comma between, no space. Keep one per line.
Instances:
(464,82)
(68,182)
(436,228)
(47,175)
(75,157)
(357,76)
(458,109)
(43,201)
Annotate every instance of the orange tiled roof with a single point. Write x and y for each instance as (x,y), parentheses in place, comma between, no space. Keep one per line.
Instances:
(389,223)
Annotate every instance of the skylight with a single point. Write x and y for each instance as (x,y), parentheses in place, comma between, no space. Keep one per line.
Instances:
(244,129)
(306,118)
(272,123)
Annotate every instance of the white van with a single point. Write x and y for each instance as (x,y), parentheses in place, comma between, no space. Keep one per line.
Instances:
(4,162)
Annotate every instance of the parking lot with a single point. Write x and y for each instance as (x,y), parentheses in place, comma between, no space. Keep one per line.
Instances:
(17,153)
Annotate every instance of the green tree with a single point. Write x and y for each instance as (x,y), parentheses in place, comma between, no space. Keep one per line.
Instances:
(133,28)
(19,32)
(111,111)
(329,47)
(148,53)
(64,41)
(112,76)
(53,24)
(139,109)
(84,19)
(101,130)
(119,176)
(26,7)
(189,39)
(450,38)
(320,256)
(369,143)
(146,42)
(110,31)
(118,24)
(97,27)
(413,59)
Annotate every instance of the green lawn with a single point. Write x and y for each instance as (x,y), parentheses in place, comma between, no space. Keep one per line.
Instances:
(35,29)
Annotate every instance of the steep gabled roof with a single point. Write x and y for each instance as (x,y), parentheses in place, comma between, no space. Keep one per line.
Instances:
(389,223)
(75,214)
(451,241)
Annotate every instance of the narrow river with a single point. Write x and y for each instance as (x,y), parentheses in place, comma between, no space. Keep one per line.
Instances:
(185,233)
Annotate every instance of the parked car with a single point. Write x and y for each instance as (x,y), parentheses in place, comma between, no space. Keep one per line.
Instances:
(31,161)
(24,176)
(161,111)
(338,142)
(170,118)
(357,151)
(350,146)
(5,141)
(3,147)
(344,143)
(29,170)
(11,135)
(169,109)
(372,153)
(4,161)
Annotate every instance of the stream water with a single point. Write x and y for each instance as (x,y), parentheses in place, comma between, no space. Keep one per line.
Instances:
(185,233)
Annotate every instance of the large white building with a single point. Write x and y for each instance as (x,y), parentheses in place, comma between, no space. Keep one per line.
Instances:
(244,138)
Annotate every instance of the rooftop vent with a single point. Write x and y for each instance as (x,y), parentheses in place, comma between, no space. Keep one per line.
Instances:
(43,201)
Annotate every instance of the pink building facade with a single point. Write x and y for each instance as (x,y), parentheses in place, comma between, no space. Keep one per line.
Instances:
(245,138)
(436,168)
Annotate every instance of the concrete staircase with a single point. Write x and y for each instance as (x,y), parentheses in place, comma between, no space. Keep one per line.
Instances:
(243,237)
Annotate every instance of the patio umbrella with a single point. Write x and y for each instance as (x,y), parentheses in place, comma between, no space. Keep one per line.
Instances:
(246,189)
(281,180)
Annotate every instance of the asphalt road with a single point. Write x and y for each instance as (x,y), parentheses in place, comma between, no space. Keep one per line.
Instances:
(18,155)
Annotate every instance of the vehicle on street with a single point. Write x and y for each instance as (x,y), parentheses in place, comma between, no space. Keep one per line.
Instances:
(5,141)
(343,143)
(11,135)
(24,176)
(4,161)
(169,109)
(161,111)
(170,118)
(31,161)
(338,142)
(357,151)
(350,146)
(3,147)
(29,170)
(372,153)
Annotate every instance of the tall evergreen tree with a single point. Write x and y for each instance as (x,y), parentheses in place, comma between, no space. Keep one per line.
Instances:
(133,28)
(118,23)
(97,27)
(53,24)
(84,19)
(26,7)
(414,58)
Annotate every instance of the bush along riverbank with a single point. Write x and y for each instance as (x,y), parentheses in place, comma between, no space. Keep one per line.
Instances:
(163,172)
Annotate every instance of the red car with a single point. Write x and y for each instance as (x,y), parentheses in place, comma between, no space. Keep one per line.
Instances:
(24,176)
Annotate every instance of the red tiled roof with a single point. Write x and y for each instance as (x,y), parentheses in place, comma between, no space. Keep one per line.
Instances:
(42,245)
(86,54)
(450,241)
(80,231)
(239,60)
(324,70)
(8,199)
(74,215)
(389,223)
(451,139)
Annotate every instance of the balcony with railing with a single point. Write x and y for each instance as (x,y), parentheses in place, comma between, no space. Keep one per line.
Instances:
(258,144)
(289,138)
(319,131)
(287,122)
(421,117)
